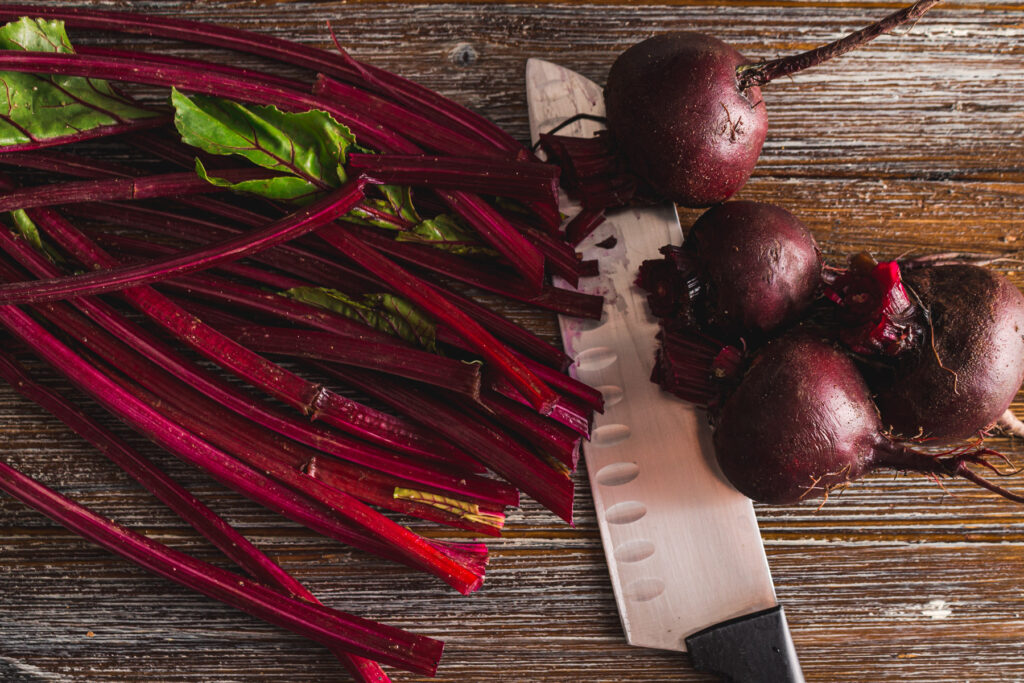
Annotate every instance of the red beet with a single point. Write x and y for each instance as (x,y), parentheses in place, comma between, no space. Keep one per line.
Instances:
(760,265)
(746,268)
(685,109)
(802,422)
(964,372)
(680,120)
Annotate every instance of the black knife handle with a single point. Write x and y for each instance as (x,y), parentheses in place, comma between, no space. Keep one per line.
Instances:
(755,648)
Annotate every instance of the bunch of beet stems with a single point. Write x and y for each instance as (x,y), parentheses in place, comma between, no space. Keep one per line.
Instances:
(199,516)
(448,421)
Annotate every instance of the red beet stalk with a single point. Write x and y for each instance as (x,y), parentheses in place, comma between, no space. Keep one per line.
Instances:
(312,400)
(112,278)
(404,283)
(332,628)
(422,99)
(484,276)
(494,446)
(184,444)
(527,180)
(193,76)
(170,184)
(305,432)
(388,492)
(420,129)
(204,520)
(392,359)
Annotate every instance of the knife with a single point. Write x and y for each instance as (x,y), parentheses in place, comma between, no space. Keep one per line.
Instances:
(684,551)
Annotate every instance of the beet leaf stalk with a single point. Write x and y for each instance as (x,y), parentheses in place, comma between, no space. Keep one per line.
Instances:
(164,185)
(537,393)
(293,258)
(335,629)
(287,52)
(146,418)
(392,359)
(495,447)
(391,493)
(313,267)
(194,76)
(519,179)
(204,520)
(404,473)
(484,276)
(112,278)
(312,400)
(303,431)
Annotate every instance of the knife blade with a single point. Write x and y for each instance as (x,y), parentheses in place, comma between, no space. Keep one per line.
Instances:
(684,551)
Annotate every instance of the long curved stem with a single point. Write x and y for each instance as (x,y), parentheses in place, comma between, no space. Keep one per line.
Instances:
(756,75)
(190,509)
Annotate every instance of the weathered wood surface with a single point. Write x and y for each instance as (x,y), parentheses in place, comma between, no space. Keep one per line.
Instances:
(914,143)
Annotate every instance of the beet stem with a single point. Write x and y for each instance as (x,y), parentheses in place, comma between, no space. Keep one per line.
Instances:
(204,520)
(404,283)
(113,277)
(313,401)
(756,75)
(335,629)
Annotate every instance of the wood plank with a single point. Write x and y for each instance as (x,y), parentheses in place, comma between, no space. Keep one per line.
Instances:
(913,143)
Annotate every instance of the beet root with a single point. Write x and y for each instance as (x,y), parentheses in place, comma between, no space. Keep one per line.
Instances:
(685,109)
(745,269)
(961,378)
(760,265)
(678,116)
(802,423)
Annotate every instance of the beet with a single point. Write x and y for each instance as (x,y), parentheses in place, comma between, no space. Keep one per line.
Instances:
(679,119)
(746,268)
(967,369)
(685,109)
(760,265)
(802,422)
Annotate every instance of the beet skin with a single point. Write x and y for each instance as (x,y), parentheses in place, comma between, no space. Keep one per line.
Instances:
(968,369)
(800,422)
(677,114)
(759,265)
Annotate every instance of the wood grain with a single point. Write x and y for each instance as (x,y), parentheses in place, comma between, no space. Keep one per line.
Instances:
(916,142)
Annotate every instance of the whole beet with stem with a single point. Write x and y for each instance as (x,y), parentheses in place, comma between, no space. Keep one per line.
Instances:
(802,422)
(686,113)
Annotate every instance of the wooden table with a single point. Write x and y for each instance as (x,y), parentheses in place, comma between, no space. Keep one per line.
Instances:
(914,143)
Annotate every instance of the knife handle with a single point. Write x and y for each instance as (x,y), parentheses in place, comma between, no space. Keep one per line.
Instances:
(755,648)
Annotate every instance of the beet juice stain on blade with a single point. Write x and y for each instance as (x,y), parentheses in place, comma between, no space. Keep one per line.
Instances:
(683,548)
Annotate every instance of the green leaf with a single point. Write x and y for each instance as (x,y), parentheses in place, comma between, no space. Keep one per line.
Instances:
(400,199)
(384,312)
(41,107)
(28,230)
(285,187)
(393,210)
(309,147)
(445,232)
